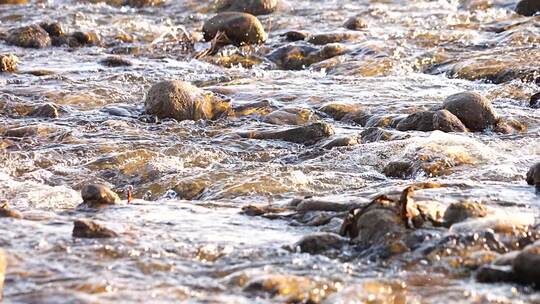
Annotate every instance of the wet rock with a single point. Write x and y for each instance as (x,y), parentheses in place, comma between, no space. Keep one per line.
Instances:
(254,7)
(235,28)
(420,121)
(445,121)
(47,110)
(290,116)
(525,265)
(299,56)
(355,23)
(474,110)
(461,211)
(494,274)
(98,196)
(289,288)
(509,126)
(535,101)
(183,101)
(29,131)
(143,3)
(32,36)
(8,63)
(398,169)
(3,267)
(375,134)
(256,108)
(306,135)
(322,39)
(533,175)
(115,61)
(295,35)
(359,117)
(343,141)
(84,228)
(374,224)
(306,205)
(190,189)
(54,29)
(338,110)
(318,242)
(80,39)
(5,211)
(528,7)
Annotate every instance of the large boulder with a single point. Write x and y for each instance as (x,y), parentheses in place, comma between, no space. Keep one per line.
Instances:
(238,28)
(254,7)
(32,36)
(474,110)
(183,101)
(528,7)
(533,176)
(98,196)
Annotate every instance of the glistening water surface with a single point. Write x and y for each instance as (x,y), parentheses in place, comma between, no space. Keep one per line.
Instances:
(184,238)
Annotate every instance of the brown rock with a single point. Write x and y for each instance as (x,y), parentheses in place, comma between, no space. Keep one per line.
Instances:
(528,7)
(183,101)
(47,110)
(115,61)
(474,110)
(398,169)
(420,121)
(79,39)
(32,36)
(327,38)
(533,176)
(238,28)
(295,35)
(535,100)
(318,242)
(8,63)
(84,228)
(343,141)
(445,121)
(355,23)
(306,135)
(98,196)
(298,56)
(13,2)
(461,211)
(525,265)
(254,7)
(338,110)
(54,29)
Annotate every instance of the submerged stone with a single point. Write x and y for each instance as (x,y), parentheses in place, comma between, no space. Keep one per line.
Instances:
(458,212)
(306,135)
(84,228)
(525,265)
(355,23)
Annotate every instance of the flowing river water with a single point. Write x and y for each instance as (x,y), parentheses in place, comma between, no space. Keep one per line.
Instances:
(201,248)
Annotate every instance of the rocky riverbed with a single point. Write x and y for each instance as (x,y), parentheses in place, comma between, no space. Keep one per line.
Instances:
(275,151)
